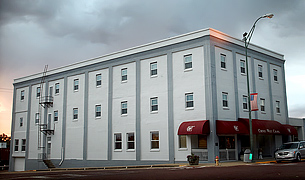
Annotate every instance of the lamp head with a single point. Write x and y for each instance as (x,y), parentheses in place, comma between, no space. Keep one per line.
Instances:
(270,15)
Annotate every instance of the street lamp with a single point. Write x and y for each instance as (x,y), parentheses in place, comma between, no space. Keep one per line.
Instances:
(247,38)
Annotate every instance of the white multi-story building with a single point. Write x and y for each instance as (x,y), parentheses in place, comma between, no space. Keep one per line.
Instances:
(155,103)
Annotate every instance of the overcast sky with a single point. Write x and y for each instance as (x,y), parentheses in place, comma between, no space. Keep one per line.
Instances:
(34,33)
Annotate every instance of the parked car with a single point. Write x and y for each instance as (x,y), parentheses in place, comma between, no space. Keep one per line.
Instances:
(291,151)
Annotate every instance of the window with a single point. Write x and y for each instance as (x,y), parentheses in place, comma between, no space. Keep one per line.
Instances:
(98,80)
(189,101)
(242,66)
(23,145)
(76,84)
(154,135)
(21,122)
(275,75)
(226,142)
(98,111)
(202,142)
(57,88)
(153,104)
(55,116)
(260,71)
(245,102)
(262,104)
(225,100)
(123,107)
(75,113)
(16,148)
(124,74)
(38,92)
(153,69)
(182,141)
(188,62)
(277,106)
(37,118)
(22,96)
(223,61)
(117,141)
(130,141)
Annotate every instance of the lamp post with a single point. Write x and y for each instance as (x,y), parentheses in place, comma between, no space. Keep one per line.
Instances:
(247,38)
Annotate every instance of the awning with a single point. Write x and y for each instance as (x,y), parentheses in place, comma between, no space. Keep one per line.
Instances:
(264,126)
(231,127)
(194,127)
(289,130)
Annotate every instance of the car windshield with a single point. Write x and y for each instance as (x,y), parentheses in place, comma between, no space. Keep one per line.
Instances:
(289,146)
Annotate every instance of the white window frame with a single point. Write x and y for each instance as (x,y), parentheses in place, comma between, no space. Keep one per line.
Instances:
(275,75)
(76,84)
(130,141)
(179,142)
(98,80)
(223,61)
(188,61)
(98,112)
(16,145)
(153,105)
(75,114)
(23,145)
(22,95)
(187,101)
(242,66)
(38,91)
(277,107)
(263,105)
(37,118)
(154,140)
(123,108)
(20,121)
(56,88)
(260,71)
(55,119)
(124,75)
(245,102)
(153,69)
(118,141)
(225,94)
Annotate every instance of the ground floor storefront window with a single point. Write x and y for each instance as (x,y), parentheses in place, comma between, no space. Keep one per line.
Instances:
(199,146)
(227,150)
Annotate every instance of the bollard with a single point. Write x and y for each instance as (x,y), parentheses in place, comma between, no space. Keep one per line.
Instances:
(217,161)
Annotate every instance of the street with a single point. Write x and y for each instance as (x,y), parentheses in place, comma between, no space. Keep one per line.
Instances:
(253,171)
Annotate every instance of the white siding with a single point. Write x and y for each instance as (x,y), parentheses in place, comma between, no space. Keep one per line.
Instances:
(98,127)
(124,91)
(75,129)
(155,86)
(188,81)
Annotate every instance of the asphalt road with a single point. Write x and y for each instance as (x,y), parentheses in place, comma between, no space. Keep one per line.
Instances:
(281,171)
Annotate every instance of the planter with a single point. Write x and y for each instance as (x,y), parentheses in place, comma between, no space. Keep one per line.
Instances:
(193,161)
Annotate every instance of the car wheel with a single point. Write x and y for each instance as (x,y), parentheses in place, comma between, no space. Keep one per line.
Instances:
(299,157)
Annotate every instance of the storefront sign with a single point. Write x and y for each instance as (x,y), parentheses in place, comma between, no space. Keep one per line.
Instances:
(268,131)
(190,128)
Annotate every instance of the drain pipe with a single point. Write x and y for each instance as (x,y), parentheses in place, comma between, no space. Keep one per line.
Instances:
(62,156)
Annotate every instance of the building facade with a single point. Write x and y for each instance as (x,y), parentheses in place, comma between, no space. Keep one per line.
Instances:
(155,103)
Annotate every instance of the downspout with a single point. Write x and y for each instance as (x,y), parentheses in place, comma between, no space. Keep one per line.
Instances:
(62,156)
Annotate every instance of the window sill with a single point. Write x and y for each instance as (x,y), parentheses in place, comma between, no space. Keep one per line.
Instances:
(130,150)
(154,76)
(190,108)
(263,112)
(224,69)
(74,120)
(75,91)
(155,150)
(243,74)
(276,82)
(182,149)
(154,112)
(225,108)
(96,118)
(246,110)
(189,69)
(123,115)
(123,82)
(279,114)
(99,86)
(260,78)
(118,150)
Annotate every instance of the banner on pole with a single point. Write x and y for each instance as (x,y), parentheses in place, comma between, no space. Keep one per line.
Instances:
(253,102)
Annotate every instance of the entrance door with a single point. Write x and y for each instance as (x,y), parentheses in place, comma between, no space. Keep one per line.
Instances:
(49,148)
